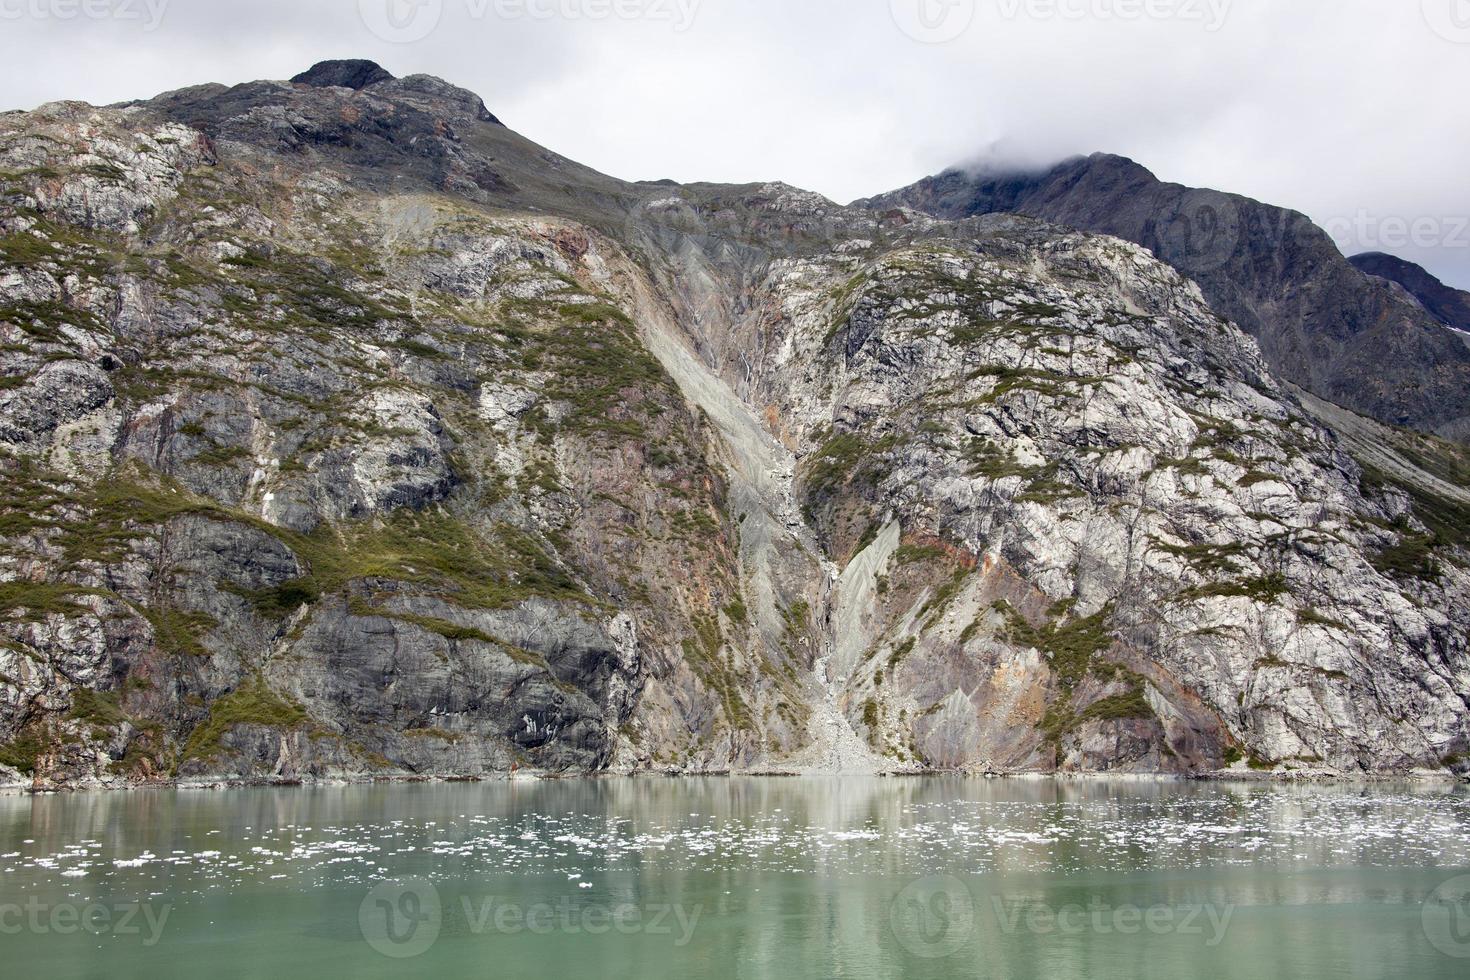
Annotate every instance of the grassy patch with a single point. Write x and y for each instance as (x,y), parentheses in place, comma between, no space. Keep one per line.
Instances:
(24,752)
(35,601)
(177,632)
(601,370)
(252,703)
(310,289)
(435,549)
(797,616)
(473,566)
(991,462)
(705,655)
(1411,557)
(420,349)
(914,554)
(55,243)
(1071,646)
(1447,521)
(1050,383)
(902,653)
(437,734)
(440,627)
(1311,617)
(1207,559)
(102,709)
(217,455)
(1187,466)
(122,509)
(841,459)
(1121,707)
(1266,588)
(284,599)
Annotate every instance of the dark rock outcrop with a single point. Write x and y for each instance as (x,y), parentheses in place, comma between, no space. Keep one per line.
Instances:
(352,73)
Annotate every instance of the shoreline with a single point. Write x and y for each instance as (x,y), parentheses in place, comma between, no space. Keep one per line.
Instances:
(1221,777)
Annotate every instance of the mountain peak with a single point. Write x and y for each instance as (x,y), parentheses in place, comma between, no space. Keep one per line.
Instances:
(1445,303)
(354,73)
(1373,349)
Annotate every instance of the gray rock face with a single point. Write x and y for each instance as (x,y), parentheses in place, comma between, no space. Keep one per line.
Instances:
(1322,324)
(345,433)
(1125,546)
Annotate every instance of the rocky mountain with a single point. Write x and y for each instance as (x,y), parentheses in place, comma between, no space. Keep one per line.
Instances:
(1448,305)
(346,433)
(1323,325)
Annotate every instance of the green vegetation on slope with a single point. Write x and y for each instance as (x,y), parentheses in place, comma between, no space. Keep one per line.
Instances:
(252,703)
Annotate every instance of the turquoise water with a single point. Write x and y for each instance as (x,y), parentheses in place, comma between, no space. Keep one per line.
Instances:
(740,878)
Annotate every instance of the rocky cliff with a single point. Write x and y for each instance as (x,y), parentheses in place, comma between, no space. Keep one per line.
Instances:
(344,432)
(1324,325)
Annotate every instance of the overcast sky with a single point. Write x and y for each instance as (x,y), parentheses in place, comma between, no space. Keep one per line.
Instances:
(1350,110)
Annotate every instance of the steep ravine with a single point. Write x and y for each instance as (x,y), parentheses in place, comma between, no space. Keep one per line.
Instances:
(781,561)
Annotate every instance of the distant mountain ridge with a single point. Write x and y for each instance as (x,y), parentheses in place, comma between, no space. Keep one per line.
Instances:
(1323,324)
(1450,305)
